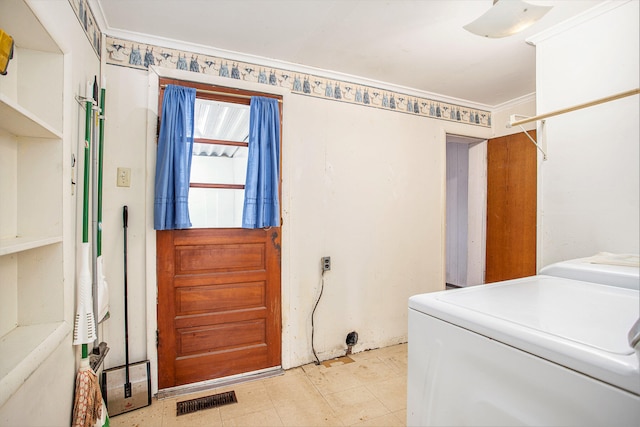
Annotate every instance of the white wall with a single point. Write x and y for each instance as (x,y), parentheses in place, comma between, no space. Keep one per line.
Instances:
(366,188)
(362,185)
(466,207)
(590,183)
(125,146)
(46,398)
(457,190)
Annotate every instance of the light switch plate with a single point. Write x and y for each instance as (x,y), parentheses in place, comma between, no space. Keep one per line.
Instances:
(124,177)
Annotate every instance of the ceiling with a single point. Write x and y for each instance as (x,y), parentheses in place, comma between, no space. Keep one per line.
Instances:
(419,44)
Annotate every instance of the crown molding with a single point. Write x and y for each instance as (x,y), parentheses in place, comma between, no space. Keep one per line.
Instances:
(530,97)
(98,14)
(579,19)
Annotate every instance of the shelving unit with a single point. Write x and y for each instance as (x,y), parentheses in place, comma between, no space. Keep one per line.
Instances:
(32,323)
(12,245)
(20,121)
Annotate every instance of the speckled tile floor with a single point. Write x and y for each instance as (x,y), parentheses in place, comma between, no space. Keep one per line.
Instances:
(369,392)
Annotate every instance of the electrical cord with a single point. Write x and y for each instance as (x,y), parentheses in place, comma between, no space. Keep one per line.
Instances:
(312,315)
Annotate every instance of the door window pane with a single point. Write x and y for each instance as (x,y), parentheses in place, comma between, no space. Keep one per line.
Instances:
(221,120)
(220,161)
(215,208)
(214,169)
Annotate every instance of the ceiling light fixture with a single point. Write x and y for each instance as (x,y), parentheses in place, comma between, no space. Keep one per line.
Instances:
(506,17)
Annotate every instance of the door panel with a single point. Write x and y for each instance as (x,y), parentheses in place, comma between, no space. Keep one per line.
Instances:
(196,300)
(200,339)
(219,258)
(218,303)
(511,207)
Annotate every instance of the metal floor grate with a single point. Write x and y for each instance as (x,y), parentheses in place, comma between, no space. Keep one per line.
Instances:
(207,402)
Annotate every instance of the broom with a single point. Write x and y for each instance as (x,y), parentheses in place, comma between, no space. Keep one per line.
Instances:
(84,329)
(87,408)
(102,286)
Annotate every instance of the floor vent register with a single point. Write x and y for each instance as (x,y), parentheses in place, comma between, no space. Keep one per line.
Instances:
(207,402)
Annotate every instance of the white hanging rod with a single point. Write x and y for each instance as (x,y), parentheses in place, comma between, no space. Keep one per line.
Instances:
(574,108)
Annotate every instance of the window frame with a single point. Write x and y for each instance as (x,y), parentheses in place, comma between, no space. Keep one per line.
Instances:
(221,94)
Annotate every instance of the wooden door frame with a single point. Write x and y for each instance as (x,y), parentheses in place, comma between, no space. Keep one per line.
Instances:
(154,76)
(538,214)
(242,97)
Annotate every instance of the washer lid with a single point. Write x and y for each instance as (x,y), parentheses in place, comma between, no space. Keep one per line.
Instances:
(580,325)
(605,268)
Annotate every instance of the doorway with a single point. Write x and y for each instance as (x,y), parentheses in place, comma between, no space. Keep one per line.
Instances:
(218,284)
(491,209)
(466,203)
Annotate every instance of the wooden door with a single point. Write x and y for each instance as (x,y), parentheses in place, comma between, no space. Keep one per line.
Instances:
(511,207)
(218,303)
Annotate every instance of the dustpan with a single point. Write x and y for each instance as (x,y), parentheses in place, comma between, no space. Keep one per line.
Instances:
(126,388)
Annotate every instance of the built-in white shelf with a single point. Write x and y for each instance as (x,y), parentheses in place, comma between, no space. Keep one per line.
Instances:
(24,243)
(25,348)
(25,27)
(32,172)
(21,122)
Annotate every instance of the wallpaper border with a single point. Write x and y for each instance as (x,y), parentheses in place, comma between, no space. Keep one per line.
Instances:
(88,23)
(139,55)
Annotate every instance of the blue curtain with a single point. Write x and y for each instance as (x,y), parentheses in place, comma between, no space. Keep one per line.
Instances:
(173,164)
(261,197)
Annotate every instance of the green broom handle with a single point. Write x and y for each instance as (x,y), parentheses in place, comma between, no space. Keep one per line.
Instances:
(87,160)
(85,204)
(85,351)
(100,162)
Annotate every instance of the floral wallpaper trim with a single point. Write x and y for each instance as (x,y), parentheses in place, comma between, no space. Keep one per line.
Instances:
(140,55)
(88,23)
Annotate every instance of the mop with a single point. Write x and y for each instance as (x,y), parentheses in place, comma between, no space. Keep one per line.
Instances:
(88,404)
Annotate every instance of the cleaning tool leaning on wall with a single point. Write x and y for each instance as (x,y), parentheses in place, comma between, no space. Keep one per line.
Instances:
(101,282)
(88,407)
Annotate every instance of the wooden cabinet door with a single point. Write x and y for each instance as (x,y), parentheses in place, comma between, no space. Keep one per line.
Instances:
(511,207)
(219,310)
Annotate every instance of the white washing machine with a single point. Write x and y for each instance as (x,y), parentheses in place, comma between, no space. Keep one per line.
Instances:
(542,351)
(606,268)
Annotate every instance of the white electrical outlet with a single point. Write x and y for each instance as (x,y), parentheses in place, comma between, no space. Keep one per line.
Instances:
(124,177)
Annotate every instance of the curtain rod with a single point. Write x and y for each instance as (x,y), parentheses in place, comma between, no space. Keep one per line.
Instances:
(575,107)
(213,92)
